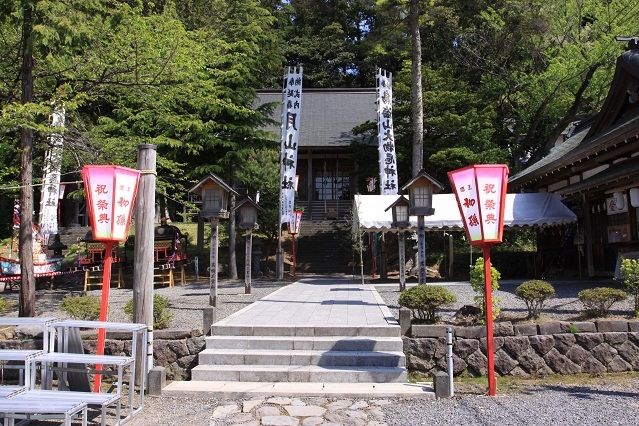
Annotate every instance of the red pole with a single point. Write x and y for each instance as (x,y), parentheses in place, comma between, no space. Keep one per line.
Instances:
(294,255)
(104,308)
(371,243)
(490,348)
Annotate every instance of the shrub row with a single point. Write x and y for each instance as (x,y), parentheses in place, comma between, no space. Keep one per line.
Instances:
(88,308)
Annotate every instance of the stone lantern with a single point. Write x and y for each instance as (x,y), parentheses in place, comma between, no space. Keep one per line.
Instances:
(421,189)
(247,211)
(214,193)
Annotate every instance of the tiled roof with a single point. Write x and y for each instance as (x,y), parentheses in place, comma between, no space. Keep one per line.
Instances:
(328,115)
(556,154)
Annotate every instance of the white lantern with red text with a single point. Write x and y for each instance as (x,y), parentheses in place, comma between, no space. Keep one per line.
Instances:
(110,192)
(294,225)
(481,194)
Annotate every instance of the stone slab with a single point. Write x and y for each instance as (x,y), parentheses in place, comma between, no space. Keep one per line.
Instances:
(605,326)
(422,330)
(551,328)
(583,327)
(525,329)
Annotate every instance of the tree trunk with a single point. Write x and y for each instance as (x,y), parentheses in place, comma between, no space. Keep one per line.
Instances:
(417,106)
(27,287)
(232,257)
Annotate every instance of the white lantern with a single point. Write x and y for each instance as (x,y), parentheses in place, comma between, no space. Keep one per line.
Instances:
(634,197)
(421,189)
(619,200)
(400,212)
(214,193)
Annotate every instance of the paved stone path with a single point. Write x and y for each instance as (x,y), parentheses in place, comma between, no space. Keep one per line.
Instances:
(282,411)
(317,301)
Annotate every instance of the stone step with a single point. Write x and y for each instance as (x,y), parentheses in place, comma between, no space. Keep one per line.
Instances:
(301,357)
(390,330)
(317,343)
(298,373)
(243,390)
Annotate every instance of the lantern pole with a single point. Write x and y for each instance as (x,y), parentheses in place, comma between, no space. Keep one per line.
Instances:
(421,248)
(490,349)
(104,309)
(247,262)
(213,261)
(402,260)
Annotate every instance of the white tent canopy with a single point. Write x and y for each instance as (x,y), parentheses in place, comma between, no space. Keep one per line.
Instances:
(531,209)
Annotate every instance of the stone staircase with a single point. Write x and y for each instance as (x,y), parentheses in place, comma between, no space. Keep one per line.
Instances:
(324,246)
(302,354)
(71,234)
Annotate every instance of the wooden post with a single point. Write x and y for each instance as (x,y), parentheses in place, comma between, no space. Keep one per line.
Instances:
(200,234)
(383,267)
(590,264)
(450,255)
(232,273)
(215,240)
(143,249)
(248,255)
(421,249)
(402,260)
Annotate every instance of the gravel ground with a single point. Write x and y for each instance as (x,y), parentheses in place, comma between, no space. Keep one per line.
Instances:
(564,405)
(565,306)
(186,302)
(558,405)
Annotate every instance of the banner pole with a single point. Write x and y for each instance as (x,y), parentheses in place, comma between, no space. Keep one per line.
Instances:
(279,258)
(490,348)
(104,309)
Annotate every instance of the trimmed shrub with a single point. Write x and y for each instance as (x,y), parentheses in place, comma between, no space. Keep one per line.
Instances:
(424,300)
(5,306)
(81,307)
(477,283)
(598,301)
(630,277)
(535,293)
(161,315)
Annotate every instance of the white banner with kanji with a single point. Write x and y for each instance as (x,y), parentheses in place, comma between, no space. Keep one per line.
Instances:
(49,194)
(291,123)
(386,138)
